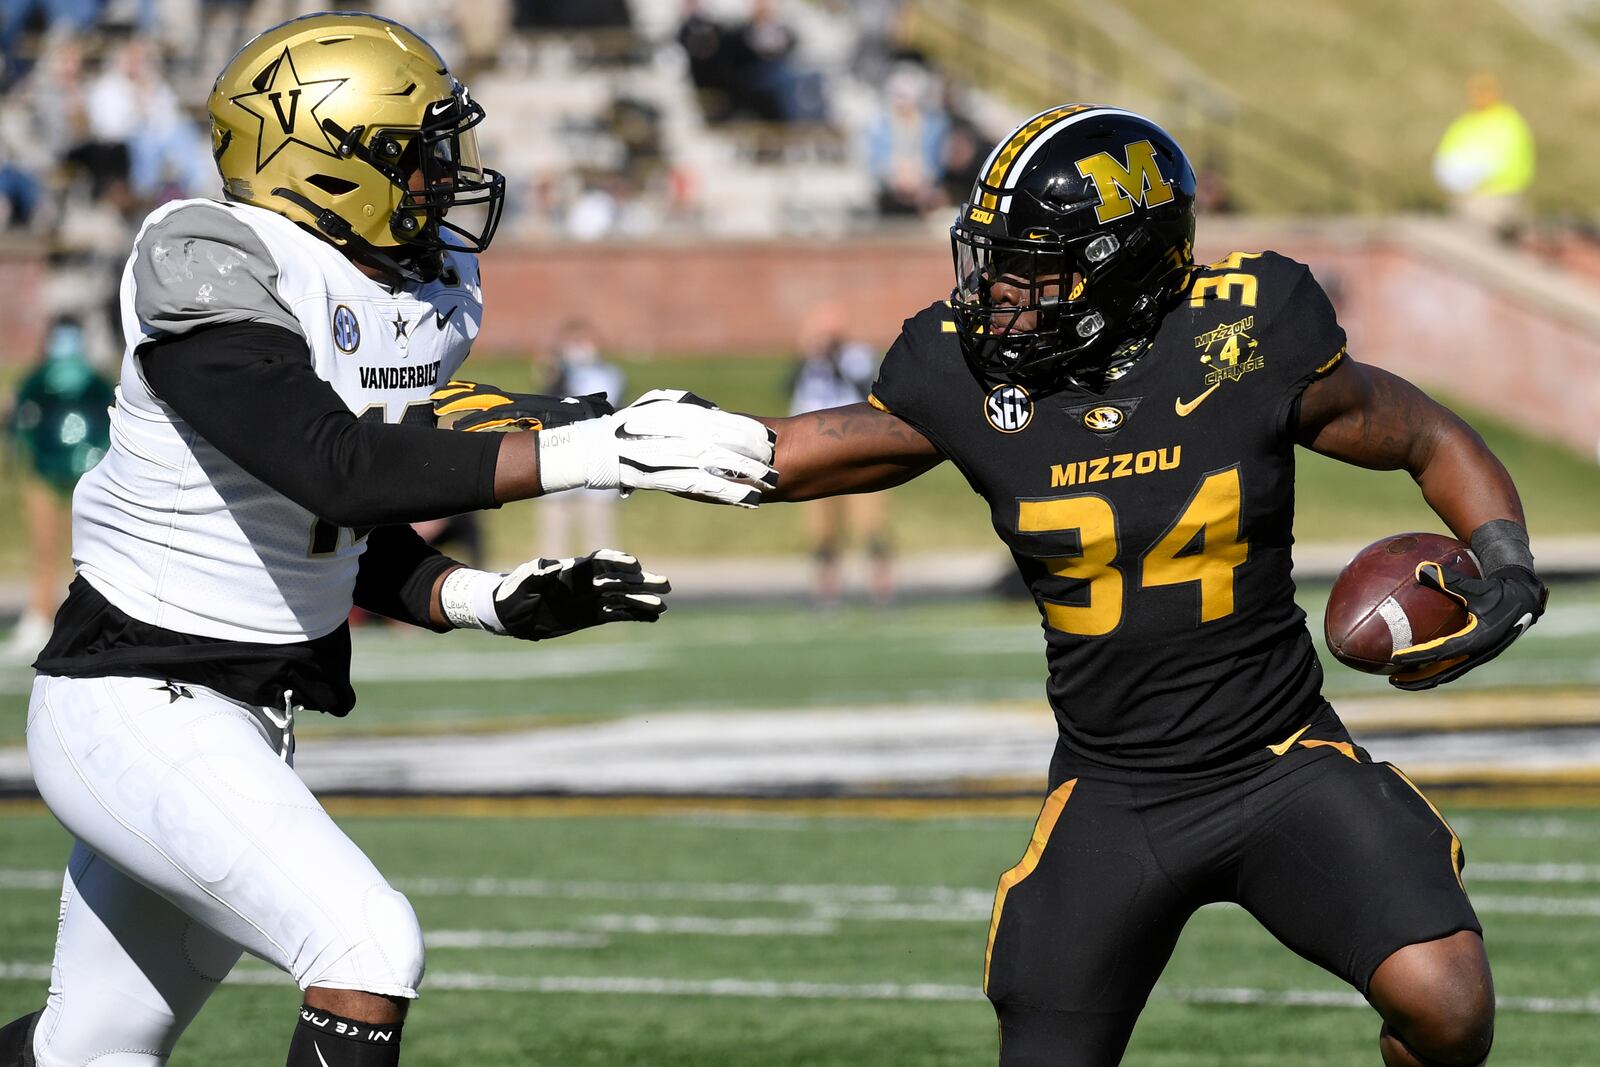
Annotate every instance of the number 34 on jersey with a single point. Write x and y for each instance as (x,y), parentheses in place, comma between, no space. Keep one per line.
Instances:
(1203,547)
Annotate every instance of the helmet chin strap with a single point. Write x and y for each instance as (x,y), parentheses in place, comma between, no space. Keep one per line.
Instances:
(422,268)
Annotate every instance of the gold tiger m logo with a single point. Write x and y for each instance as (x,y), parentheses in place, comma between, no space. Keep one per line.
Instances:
(1121,187)
(1103,419)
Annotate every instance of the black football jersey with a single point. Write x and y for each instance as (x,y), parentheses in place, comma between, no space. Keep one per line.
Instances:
(1153,520)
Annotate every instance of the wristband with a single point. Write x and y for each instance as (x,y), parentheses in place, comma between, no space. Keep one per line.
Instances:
(466,597)
(574,456)
(1502,543)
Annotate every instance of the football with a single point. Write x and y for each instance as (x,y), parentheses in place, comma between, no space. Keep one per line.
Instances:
(1377,605)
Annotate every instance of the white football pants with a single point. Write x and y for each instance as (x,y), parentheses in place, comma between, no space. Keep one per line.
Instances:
(196,841)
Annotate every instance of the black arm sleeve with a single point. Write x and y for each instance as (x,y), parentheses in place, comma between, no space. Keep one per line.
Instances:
(249,390)
(397,573)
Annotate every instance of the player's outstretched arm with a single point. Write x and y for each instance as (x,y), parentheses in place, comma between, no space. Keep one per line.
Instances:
(1374,419)
(854,449)
(667,440)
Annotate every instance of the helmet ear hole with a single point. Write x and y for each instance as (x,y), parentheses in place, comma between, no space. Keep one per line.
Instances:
(332,185)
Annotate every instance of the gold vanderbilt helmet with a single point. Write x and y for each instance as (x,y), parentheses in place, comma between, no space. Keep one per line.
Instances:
(349,124)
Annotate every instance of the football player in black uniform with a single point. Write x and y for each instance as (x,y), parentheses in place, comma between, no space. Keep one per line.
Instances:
(1130,418)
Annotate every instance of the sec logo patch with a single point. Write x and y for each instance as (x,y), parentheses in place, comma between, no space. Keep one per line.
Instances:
(1008,408)
(346,330)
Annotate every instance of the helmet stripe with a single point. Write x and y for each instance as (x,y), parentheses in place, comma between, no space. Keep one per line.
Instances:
(1040,141)
(998,165)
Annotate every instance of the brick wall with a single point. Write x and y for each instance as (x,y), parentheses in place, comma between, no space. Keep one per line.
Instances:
(714,297)
(1429,315)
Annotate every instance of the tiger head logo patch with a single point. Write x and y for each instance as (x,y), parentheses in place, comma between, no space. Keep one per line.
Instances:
(1104,419)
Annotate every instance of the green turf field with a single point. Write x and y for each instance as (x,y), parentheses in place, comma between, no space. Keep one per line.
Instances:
(786,939)
(706,657)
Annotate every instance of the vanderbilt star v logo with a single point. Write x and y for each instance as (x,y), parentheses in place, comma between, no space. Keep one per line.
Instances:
(285,117)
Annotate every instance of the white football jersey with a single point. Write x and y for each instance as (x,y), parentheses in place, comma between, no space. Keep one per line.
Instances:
(171,531)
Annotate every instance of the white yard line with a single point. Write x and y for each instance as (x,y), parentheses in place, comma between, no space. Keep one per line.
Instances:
(893,991)
(510,664)
(1519,827)
(834,901)
(717,892)
(709,925)
(1542,873)
(479,939)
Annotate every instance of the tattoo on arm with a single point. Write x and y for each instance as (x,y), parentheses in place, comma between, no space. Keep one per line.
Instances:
(1372,418)
(853,449)
(843,424)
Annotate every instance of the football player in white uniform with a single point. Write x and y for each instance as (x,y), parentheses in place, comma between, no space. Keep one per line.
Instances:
(272,435)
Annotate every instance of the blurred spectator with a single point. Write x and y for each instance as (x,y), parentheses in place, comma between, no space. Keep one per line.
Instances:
(905,146)
(779,89)
(41,118)
(834,371)
(58,429)
(22,166)
(578,522)
(879,30)
(636,126)
(711,69)
(1213,192)
(965,145)
(749,70)
(570,14)
(1486,160)
(24,23)
(132,104)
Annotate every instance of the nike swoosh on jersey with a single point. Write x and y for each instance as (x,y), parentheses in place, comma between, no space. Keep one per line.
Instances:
(441,320)
(1284,746)
(1183,407)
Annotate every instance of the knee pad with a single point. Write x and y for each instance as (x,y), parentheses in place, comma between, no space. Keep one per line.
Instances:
(379,950)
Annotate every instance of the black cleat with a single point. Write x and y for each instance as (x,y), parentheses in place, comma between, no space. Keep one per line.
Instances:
(16,1041)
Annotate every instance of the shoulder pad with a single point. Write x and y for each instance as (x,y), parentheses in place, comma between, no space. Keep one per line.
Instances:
(935,319)
(202,265)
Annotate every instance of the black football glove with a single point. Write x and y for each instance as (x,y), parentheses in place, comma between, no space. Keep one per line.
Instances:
(474,407)
(547,598)
(1502,605)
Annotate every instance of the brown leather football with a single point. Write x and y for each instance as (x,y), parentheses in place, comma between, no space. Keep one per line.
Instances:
(1377,605)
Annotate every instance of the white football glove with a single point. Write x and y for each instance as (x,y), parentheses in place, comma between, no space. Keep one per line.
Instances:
(668,440)
(552,597)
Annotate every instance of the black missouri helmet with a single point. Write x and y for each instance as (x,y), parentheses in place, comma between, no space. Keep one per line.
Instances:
(351,125)
(1077,235)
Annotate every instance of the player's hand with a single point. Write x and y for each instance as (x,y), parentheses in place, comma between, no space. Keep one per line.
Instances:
(547,598)
(667,440)
(475,407)
(1502,606)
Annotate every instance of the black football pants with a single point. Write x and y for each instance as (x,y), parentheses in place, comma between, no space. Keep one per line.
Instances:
(1340,858)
